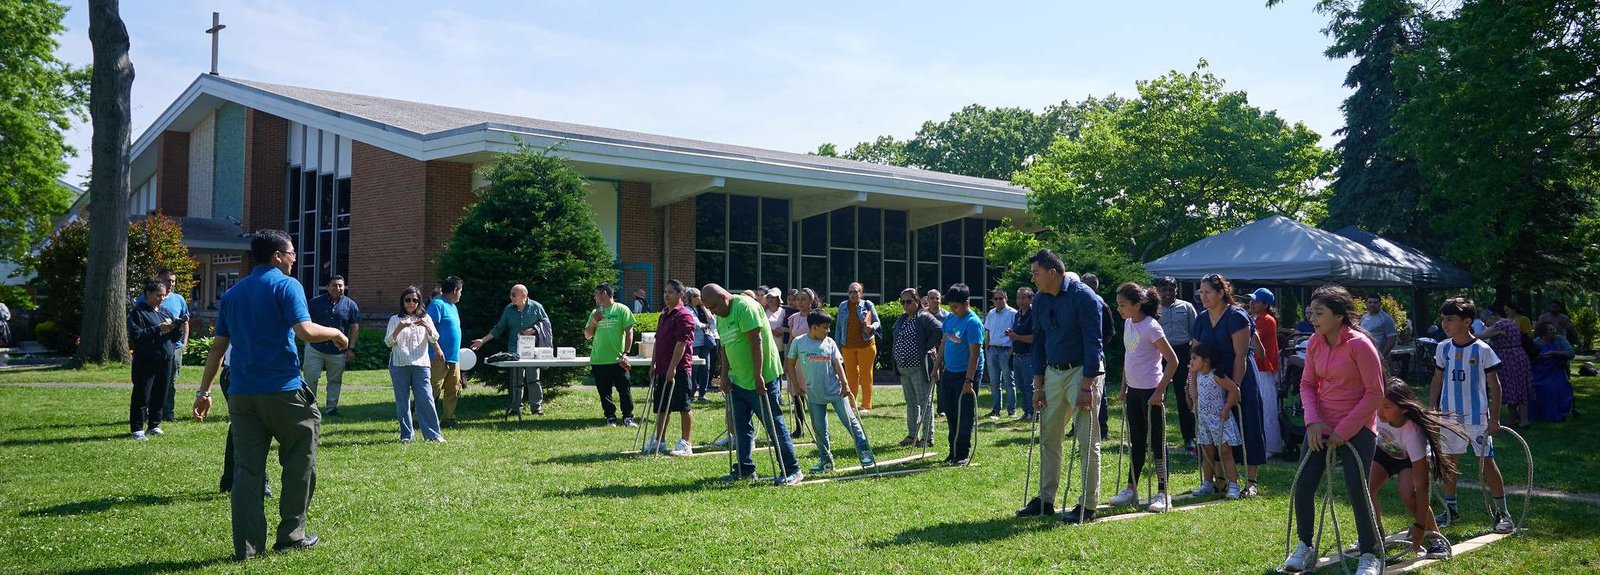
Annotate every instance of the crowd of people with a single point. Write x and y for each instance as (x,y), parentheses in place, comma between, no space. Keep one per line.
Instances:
(1043,361)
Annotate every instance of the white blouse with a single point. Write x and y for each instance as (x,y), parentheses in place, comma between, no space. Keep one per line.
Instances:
(412,346)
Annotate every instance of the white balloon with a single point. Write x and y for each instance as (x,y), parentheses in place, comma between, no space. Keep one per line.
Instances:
(468,360)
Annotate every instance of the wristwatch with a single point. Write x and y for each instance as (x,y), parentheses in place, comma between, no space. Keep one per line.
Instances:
(200,394)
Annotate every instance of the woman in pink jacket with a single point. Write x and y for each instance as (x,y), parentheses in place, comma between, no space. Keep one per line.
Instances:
(1341,389)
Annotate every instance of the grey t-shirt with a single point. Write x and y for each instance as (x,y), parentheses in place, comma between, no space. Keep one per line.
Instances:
(814,358)
(1176,320)
(1381,326)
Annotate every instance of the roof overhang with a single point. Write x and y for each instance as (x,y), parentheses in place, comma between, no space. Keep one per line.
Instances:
(477,141)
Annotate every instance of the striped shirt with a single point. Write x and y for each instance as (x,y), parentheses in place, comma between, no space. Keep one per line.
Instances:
(1466,368)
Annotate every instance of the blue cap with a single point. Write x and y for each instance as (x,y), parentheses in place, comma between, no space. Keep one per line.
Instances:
(1264,295)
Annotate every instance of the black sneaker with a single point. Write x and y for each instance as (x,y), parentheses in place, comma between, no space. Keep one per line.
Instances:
(1447,517)
(332,411)
(611,422)
(797,433)
(961,462)
(451,424)
(1077,515)
(538,411)
(307,542)
(736,477)
(1036,508)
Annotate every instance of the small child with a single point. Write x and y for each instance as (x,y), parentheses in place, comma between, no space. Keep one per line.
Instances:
(1410,439)
(1466,389)
(820,379)
(1214,396)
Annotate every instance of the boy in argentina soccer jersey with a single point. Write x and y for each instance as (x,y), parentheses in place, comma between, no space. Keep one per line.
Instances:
(1466,389)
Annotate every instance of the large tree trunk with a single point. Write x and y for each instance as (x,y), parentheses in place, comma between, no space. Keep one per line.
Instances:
(105,292)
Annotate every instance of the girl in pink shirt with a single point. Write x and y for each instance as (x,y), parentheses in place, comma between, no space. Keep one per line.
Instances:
(1340,389)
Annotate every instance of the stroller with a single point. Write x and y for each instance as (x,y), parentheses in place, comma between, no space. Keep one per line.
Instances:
(1291,414)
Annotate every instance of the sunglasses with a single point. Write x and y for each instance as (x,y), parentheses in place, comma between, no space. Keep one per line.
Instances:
(412,300)
(908,301)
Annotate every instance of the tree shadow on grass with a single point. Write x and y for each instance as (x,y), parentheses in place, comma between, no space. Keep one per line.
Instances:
(61,440)
(118,423)
(966,532)
(143,568)
(586,458)
(627,491)
(112,502)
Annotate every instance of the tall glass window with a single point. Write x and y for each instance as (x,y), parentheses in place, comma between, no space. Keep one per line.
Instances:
(317,206)
(952,252)
(742,241)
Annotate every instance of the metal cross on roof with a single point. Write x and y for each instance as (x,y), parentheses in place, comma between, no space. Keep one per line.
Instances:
(215,31)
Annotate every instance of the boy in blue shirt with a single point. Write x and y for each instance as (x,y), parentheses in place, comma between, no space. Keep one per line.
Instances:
(818,366)
(961,360)
(1466,389)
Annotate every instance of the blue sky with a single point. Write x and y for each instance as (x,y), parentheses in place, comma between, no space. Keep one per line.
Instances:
(784,77)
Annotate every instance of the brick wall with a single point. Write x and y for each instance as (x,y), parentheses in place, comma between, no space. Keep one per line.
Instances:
(449,193)
(642,230)
(265,164)
(387,226)
(172,179)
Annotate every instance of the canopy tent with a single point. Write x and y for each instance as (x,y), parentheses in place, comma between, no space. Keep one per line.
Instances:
(1427,272)
(1279,251)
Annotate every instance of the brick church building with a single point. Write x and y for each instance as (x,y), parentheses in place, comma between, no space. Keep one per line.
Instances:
(364,184)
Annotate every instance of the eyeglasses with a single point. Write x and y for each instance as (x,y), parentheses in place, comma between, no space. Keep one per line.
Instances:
(907,301)
(412,300)
(287,253)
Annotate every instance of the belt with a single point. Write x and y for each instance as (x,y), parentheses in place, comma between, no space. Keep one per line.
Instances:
(1068,366)
(999,347)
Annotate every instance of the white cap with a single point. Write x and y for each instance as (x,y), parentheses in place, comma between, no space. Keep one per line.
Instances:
(775,292)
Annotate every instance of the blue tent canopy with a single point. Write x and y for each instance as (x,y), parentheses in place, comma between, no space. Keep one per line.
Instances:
(1279,251)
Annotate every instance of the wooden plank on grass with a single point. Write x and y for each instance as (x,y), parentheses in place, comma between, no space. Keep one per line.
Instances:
(699,453)
(882,463)
(1456,550)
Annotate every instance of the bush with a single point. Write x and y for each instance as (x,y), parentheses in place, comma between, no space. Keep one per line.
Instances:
(51,336)
(197,351)
(154,242)
(16,298)
(531,225)
(1587,323)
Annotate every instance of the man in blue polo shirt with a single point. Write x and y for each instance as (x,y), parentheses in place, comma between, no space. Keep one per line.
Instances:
(445,374)
(258,321)
(338,311)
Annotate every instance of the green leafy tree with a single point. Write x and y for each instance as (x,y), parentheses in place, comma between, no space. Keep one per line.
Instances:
(1505,119)
(154,242)
(979,141)
(531,226)
(1376,186)
(39,97)
(1184,160)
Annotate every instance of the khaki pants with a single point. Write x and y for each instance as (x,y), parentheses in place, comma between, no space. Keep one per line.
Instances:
(446,380)
(858,365)
(1061,390)
(314,364)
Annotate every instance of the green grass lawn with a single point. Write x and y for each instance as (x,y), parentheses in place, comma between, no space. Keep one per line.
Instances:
(553,493)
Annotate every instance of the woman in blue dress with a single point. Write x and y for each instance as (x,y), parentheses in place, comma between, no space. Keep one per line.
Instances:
(1552,390)
(1226,327)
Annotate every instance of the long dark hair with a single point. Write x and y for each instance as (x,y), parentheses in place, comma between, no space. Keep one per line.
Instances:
(412,291)
(1432,423)
(1148,299)
(1223,286)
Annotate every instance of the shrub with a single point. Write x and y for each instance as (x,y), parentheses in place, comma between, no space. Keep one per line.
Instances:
(196,352)
(16,298)
(531,225)
(51,336)
(1587,324)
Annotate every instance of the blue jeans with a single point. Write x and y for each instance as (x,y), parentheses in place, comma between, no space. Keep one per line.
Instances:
(700,378)
(819,423)
(765,405)
(411,385)
(1001,378)
(1022,367)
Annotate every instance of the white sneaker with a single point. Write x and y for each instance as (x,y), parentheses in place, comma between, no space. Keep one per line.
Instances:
(1160,504)
(1299,559)
(157,431)
(1206,488)
(650,446)
(139,436)
(1233,491)
(1369,565)
(1125,497)
(721,441)
(683,448)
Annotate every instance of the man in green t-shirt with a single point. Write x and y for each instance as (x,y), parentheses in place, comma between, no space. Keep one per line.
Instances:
(749,379)
(611,329)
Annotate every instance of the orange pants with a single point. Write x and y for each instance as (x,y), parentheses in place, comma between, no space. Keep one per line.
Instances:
(858,365)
